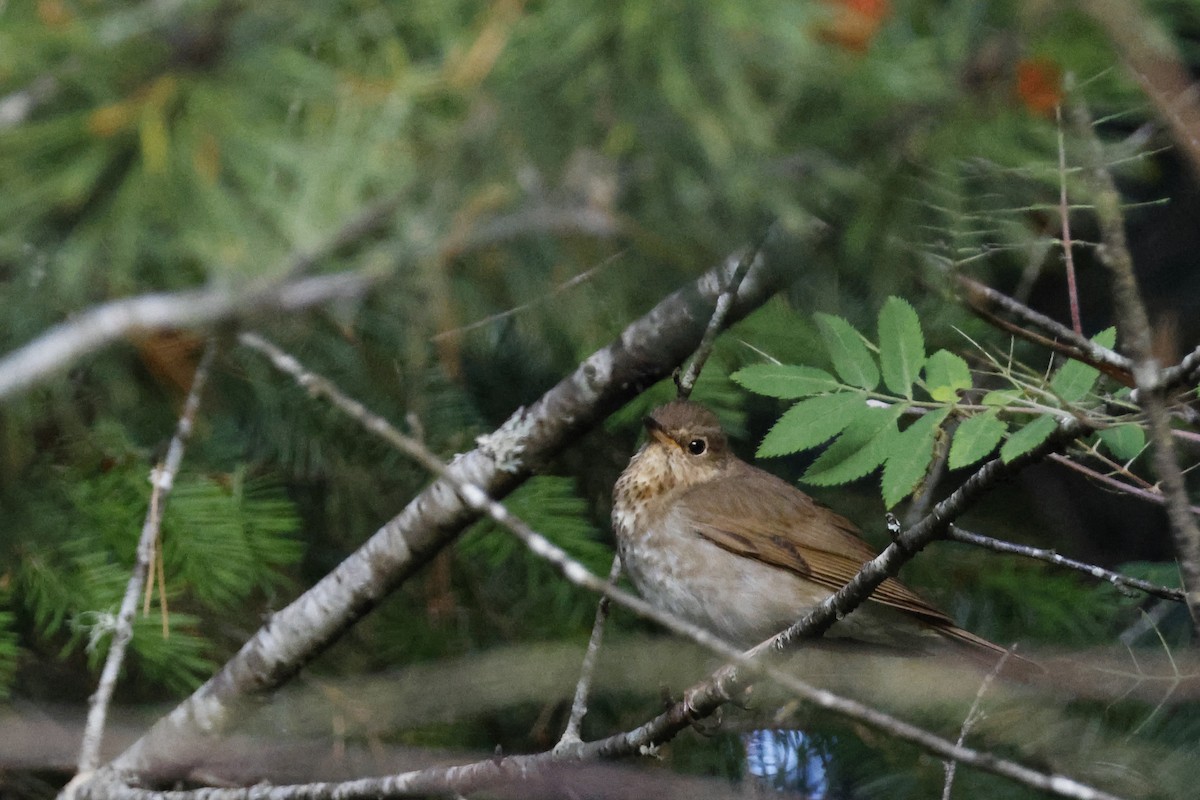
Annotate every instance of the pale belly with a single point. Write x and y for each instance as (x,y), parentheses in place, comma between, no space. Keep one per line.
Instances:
(742,600)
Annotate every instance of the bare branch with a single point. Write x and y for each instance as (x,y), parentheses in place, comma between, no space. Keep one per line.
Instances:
(163,479)
(286,290)
(1064,213)
(1150,495)
(570,737)
(716,324)
(1051,557)
(101,325)
(974,715)
(1134,327)
(1187,371)
(551,294)
(982,298)
(646,351)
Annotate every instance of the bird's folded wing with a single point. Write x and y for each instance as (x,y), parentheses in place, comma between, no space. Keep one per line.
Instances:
(773,522)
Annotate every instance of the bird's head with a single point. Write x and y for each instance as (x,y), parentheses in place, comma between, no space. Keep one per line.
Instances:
(686,440)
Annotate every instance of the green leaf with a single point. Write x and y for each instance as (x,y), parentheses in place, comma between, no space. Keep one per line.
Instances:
(811,422)
(785,381)
(1124,441)
(1028,437)
(1106,338)
(1075,379)
(861,448)
(851,358)
(901,345)
(976,438)
(909,456)
(946,375)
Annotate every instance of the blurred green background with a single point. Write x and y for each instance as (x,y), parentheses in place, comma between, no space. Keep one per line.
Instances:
(560,167)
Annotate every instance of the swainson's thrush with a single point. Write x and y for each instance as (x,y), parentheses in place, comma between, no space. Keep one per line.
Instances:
(736,550)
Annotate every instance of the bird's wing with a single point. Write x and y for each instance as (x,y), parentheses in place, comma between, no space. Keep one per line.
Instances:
(780,525)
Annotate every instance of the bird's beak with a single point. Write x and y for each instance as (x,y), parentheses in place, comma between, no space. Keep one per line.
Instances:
(656,432)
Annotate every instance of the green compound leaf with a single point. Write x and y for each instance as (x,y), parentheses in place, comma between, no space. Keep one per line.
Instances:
(785,381)
(1028,437)
(1125,442)
(976,438)
(909,457)
(812,422)
(851,358)
(862,447)
(901,346)
(946,375)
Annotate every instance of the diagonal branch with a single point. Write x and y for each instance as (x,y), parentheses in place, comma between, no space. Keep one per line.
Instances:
(685,383)
(163,479)
(983,299)
(1155,61)
(570,737)
(645,352)
(102,325)
(286,290)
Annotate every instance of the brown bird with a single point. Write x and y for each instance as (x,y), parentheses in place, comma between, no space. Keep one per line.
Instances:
(734,549)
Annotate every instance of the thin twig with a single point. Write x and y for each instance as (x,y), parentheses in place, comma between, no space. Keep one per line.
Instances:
(1064,211)
(716,322)
(933,476)
(570,738)
(974,715)
(1134,326)
(1051,557)
(982,297)
(554,292)
(1148,495)
(163,479)
(1149,52)
(1183,373)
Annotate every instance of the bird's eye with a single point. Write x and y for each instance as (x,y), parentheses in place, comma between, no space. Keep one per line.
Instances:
(697,447)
